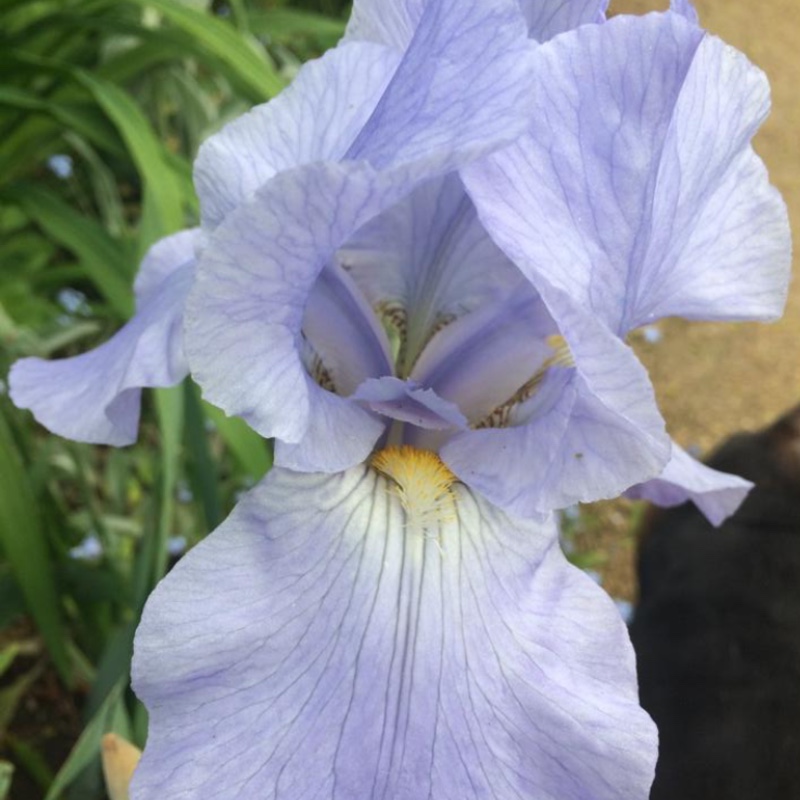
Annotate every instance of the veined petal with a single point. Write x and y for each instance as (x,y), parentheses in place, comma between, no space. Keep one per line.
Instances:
(481,359)
(393,22)
(344,332)
(95,397)
(589,431)
(548,18)
(716,494)
(316,118)
(715,192)
(388,22)
(407,401)
(339,434)
(390,106)
(335,639)
(684,8)
(245,313)
(445,106)
(636,190)
(429,257)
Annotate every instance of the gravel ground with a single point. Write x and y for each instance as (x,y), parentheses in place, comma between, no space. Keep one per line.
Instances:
(713,379)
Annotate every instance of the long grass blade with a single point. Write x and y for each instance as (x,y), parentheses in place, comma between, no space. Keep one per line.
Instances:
(253,452)
(151,563)
(203,472)
(23,541)
(87,749)
(98,253)
(249,62)
(160,182)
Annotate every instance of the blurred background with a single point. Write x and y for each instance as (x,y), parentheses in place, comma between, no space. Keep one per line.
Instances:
(103,104)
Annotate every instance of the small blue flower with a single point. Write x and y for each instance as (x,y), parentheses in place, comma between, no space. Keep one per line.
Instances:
(416,271)
(652,334)
(74,302)
(90,549)
(176,545)
(60,165)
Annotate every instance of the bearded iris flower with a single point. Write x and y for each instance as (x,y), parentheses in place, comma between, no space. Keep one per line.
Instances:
(416,271)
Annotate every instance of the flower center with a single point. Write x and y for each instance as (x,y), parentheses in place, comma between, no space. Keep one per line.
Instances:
(423,484)
(407,345)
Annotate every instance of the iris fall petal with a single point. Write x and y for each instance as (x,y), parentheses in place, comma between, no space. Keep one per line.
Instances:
(324,643)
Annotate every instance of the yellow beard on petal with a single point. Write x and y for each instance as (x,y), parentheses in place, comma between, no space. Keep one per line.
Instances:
(423,483)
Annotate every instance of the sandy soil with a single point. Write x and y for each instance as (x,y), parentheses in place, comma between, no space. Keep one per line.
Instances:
(713,379)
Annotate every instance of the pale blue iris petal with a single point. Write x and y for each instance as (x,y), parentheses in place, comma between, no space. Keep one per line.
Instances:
(430,254)
(390,106)
(589,432)
(548,18)
(685,9)
(715,206)
(518,468)
(315,119)
(407,401)
(625,184)
(344,331)
(393,22)
(339,434)
(316,647)
(716,494)
(480,360)
(388,22)
(444,105)
(572,197)
(245,312)
(95,397)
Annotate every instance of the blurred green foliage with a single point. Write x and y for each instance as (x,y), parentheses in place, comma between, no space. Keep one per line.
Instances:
(103,104)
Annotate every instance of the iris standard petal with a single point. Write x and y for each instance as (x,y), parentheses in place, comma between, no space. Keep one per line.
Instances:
(356,102)
(245,312)
(685,8)
(316,118)
(393,22)
(444,105)
(716,494)
(548,18)
(429,258)
(636,190)
(388,22)
(589,431)
(95,397)
(327,642)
